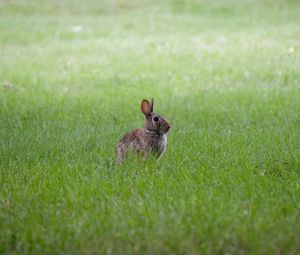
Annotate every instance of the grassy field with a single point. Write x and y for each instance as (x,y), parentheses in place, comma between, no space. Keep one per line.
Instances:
(226,74)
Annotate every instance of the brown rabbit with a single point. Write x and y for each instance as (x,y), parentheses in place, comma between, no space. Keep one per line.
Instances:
(151,139)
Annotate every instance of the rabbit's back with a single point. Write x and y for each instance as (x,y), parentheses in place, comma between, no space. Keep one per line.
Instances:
(131,141)
(141,142)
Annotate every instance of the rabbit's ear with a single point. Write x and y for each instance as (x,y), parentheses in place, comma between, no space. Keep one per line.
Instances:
(146,107)
(151,105)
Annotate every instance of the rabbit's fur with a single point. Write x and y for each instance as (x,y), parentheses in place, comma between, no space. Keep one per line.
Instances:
(151,139)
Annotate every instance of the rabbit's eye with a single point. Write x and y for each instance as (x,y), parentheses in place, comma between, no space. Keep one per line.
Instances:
(155,119)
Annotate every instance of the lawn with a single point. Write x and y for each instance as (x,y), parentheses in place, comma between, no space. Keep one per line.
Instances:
(226,74)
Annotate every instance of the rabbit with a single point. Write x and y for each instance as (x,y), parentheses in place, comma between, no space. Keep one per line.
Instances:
(152,139)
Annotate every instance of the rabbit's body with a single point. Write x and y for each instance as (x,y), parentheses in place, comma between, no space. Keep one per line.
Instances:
(151,139)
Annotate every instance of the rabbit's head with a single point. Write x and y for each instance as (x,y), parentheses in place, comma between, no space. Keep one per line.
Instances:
(153,122)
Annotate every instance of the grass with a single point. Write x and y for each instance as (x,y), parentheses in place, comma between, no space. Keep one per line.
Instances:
(224,73)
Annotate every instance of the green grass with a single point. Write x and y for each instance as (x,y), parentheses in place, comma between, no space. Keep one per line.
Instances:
(224,73)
